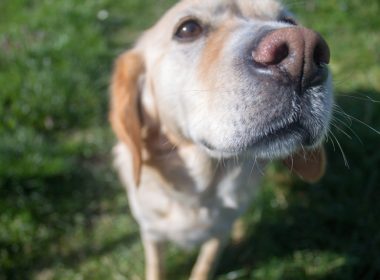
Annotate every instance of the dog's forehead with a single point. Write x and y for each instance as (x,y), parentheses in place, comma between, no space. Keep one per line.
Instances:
(212,10)
(260,9)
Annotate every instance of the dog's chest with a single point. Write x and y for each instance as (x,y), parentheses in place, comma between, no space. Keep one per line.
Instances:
(188,207)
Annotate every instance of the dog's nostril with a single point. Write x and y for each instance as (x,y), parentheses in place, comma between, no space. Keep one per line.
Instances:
(280,53)
(271,54)
(321,53)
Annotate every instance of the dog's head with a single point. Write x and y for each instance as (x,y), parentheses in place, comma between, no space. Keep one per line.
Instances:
(230,76)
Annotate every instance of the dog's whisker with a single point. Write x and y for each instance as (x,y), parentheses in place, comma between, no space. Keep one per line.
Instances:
(352,118)
(341,150)
(349,128)
(236,160)
(253,165)
(331,140)
(223,162)
(345,120)
(340,129)
(261,171)
(365,124)
(292,165)
(303,152)
(340,112)
(217,165)
(365,98)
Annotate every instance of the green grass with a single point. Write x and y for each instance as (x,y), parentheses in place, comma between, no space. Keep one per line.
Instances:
(63,213)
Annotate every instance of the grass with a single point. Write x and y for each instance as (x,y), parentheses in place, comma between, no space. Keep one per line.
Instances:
(63,214)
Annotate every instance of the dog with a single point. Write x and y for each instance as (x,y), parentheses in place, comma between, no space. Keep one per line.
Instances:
(204,100)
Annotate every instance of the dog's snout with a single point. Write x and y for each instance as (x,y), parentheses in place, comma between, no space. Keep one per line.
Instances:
(300,52)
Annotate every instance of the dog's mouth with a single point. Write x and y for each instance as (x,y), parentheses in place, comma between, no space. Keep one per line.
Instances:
(274,142)
(290,130)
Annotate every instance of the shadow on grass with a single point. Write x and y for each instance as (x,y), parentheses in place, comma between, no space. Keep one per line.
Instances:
(52,221)
(338,216)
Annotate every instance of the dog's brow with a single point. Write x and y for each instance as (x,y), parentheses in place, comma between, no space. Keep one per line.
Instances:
(230,8)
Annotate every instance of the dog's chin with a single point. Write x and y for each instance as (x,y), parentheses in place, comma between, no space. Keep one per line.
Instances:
(276,144)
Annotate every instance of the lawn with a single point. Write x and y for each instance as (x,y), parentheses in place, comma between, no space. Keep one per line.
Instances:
(63,213)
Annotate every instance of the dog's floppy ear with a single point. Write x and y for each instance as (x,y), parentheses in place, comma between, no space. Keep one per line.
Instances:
(124,112)
(309,165)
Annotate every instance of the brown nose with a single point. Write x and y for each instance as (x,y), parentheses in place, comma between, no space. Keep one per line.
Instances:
(298,51)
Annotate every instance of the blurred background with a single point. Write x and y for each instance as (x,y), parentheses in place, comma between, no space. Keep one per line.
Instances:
(63,213)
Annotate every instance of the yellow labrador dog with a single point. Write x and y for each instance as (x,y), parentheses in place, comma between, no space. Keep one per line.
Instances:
(204,100)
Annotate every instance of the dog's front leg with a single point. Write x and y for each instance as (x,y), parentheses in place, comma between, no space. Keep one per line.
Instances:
(207,259)
(154,259)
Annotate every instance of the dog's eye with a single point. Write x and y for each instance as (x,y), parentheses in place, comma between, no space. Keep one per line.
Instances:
(288,20)
(188,31)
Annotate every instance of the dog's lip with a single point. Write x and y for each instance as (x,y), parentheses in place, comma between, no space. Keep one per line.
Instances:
(285,131)
(272,135)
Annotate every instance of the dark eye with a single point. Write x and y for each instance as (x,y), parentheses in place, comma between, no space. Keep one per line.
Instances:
(188,30)
(288,20)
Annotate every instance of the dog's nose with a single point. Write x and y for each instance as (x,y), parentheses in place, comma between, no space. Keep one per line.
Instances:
(298,51)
